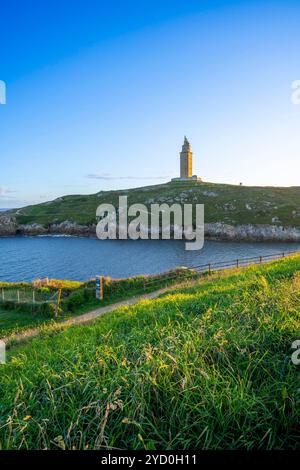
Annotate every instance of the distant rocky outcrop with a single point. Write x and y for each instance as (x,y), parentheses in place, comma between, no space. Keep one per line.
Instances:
(250,232)
(8,225)
(32,229)
(71,228)
(217,230)
(63,228)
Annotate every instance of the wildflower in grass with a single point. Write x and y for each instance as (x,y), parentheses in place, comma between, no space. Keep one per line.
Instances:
(296,281)
(264,282)
(59,441)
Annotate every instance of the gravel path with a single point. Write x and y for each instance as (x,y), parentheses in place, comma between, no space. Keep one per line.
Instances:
(12,340)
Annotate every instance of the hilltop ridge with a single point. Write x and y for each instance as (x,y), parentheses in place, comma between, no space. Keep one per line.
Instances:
(229,209)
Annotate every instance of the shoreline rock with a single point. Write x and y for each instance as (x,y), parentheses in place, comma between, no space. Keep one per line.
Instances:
(250,232)
(215,231)
(8,225)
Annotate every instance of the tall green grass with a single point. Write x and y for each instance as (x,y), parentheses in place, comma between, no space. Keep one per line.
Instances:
(205,367)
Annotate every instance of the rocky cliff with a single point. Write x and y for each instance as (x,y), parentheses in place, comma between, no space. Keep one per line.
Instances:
(8,225)
(250,232)
(218,231)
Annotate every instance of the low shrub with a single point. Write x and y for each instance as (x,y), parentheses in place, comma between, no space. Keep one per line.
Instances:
(77,299)
(45,309)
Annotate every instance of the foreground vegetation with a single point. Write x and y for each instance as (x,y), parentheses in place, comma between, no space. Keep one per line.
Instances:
(201,367)
(223,203)
(75,298)
(14,321)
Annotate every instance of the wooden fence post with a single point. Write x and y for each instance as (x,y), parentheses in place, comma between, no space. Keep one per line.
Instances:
(237,263)
(18,296)
(58,302)
(209,269)
(101,287)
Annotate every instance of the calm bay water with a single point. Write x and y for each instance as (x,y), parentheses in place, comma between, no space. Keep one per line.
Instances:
(27,258)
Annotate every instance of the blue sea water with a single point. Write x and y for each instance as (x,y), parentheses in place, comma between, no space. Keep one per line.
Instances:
(27,258)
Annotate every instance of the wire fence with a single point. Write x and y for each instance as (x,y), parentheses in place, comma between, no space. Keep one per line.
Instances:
(27,295)
(209,268)
(39,296)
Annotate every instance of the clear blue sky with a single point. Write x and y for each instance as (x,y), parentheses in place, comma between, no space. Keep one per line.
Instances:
(100,94)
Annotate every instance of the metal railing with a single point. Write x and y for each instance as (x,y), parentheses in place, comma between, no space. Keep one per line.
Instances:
(21,295)
(210,268)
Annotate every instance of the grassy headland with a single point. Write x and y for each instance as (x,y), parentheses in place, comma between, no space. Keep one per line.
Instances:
(225,203)
(208,366)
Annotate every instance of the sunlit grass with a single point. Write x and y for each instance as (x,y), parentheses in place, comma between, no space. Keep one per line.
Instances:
(205,367)
(223,203)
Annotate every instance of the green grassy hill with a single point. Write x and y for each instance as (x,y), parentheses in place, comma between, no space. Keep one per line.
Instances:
(204,367)
(223,203)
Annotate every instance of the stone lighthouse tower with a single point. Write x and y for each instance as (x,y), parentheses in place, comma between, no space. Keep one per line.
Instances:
(186,160)
(186,164)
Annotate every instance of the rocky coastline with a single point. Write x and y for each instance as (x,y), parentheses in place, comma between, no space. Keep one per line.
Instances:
(216,231)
